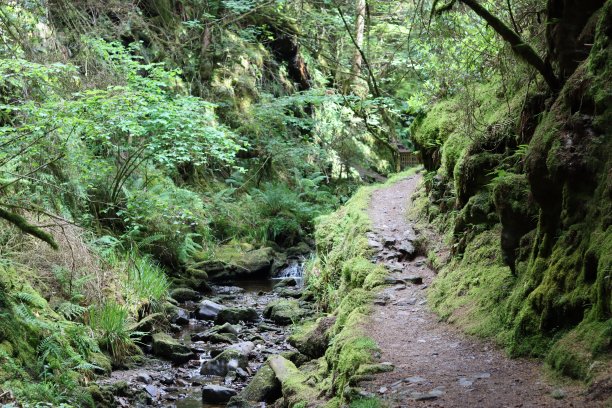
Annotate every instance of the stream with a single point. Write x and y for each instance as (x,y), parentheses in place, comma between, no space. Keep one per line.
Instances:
(157,382)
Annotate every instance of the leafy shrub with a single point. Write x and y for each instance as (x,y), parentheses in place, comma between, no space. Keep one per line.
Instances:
(165,221)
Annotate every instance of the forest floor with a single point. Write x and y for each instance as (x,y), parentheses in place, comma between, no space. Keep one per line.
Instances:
(436,365)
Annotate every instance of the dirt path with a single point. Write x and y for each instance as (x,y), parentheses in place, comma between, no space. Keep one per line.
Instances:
(435,364)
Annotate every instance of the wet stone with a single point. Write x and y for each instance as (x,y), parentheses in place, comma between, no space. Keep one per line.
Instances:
(414,379)
(144,378)
(208,310)
(153,391)
(181,318)
(417,280)
(235,315)
(216,394)
(465,382)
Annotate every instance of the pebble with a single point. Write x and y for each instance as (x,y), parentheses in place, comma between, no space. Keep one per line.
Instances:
(152,390)
(382,390)
(558,394)
(144,378)
(482,376)
(414,380)
(465,382)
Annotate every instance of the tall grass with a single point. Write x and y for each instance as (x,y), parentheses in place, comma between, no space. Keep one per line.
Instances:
(147,284)
(110,325)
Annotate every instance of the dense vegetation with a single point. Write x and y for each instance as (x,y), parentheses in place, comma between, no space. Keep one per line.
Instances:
(142,140)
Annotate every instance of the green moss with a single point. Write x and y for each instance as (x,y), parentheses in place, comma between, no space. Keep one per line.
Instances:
(297,389)
(556,226)
(371,402)
(471,291)
(452,150)
(580,354)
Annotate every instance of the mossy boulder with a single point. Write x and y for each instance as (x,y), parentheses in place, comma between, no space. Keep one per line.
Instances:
(102,362)
(184,294)
(517,213)
(225,333)
(170,349)
(102,396)
(300,249)
(312,339)
(233,260)
(263,387)
(284,311)
(150,324)
(233,357)
(296,388)
(234,315)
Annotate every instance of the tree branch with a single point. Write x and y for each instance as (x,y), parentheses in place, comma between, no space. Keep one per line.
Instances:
(520,48)
(25,226)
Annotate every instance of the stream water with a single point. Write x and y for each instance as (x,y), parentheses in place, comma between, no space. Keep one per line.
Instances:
(156,382)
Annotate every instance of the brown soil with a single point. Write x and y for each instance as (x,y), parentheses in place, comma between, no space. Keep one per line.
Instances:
(435,364)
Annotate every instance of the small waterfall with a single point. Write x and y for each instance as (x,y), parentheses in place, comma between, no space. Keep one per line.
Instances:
(294,269)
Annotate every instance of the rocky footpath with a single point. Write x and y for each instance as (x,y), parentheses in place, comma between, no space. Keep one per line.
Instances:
(204,349)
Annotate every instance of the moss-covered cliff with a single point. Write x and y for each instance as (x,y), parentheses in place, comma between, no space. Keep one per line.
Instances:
(527,195)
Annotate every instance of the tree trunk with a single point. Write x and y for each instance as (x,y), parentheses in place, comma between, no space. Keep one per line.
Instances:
(360,14)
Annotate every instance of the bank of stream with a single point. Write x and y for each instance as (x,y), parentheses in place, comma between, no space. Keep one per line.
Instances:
(236,318)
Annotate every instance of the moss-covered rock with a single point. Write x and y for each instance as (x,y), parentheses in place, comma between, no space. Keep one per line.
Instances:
(517,213)
(231,358)
(151,323)
(263,387)
(168,348)
(184,294)
(296,389)
(473,173)
(313,338)
(284,311)
(234,315)
(234,260)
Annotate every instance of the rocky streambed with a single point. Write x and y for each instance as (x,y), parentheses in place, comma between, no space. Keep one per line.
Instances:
(206,348)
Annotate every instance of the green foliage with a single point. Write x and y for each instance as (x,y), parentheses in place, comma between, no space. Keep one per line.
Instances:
(147,117)
(111,327)
(146,284)
(164,220)
(43,358)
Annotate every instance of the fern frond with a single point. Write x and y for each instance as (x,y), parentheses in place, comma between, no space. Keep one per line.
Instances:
(70,311)
(30,298)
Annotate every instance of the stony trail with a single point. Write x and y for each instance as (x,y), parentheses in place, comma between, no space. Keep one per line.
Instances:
(435,364)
